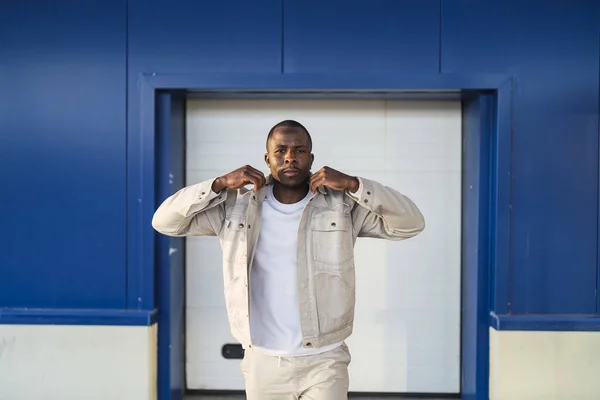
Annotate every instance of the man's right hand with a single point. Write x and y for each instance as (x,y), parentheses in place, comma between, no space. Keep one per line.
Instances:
(239,178)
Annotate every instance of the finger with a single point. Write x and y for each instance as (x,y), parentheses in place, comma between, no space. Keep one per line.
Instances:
(256,172)
(259,172)
(312,180)
(246,177)
(316,175)
(259,184)
(318,181)
(257,178)
(250,172)
(261,180)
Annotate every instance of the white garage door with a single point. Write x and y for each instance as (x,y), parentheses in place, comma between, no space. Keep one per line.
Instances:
(407,332)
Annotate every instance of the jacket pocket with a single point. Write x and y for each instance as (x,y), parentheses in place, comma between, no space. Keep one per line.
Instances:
(234,242)
(336,297)
(332,240)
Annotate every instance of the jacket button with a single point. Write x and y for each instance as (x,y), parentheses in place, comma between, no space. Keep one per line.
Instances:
(240,225)
(253,197)
(369,193)
(366,201)
(333,224)
(248,226)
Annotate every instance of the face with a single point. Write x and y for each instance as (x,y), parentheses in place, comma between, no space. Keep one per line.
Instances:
(289,157)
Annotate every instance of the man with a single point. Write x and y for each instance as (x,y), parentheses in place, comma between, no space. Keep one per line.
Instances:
(288,261)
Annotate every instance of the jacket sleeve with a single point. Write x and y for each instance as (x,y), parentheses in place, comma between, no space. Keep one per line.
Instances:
(193,211)
(382,212)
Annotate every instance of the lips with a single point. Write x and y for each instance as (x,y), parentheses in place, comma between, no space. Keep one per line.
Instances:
(291,172)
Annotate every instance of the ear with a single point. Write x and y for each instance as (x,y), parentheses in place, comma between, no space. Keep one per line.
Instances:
(267,160)
(312,159)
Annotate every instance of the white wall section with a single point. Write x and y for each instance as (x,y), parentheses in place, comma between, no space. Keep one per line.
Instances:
(532,365)
(62,362)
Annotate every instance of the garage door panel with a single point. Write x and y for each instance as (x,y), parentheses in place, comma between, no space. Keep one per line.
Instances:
(412,158)
(346,147)
(200,175)
(407,331)
(243,148)
(406,161)
(385,355)
(222,164)
(439,375)
(423,136)
(204,273)
(207,330)
(348,165)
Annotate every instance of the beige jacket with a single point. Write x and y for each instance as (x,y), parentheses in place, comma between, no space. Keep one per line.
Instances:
(329,226)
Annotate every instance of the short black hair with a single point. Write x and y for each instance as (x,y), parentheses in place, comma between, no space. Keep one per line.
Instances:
(288,123)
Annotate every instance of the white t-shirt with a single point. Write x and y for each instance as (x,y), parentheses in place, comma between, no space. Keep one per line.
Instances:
(274,308)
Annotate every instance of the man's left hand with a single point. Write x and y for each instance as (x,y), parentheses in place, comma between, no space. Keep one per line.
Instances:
(333,179)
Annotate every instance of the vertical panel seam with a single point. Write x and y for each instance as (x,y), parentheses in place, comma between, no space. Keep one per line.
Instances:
(598,177)
(127,266)
(510,266)
(282,37)
(440,39)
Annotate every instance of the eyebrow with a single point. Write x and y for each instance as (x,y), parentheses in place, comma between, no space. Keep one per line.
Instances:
(283,145)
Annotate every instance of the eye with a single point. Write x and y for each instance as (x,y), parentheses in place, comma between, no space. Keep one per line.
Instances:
(301,151)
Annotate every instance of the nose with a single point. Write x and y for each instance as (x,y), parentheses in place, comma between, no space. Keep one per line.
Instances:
(290,156)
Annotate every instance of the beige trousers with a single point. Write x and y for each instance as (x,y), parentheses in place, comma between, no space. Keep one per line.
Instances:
(314,377)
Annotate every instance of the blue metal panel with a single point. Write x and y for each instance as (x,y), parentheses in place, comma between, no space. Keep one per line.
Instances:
(186,37)
(62,154)
(350,84)
(552,49)
(500,225)
(564,323)
(176,267)
(77,317)
(477,138)
(400,36)
(170,252)
(199,36)
(141,205)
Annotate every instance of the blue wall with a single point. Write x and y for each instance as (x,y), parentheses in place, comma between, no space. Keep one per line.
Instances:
(70,107)
(62,154)
(551,47)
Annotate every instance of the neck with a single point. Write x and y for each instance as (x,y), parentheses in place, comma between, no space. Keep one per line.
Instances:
(289,195)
